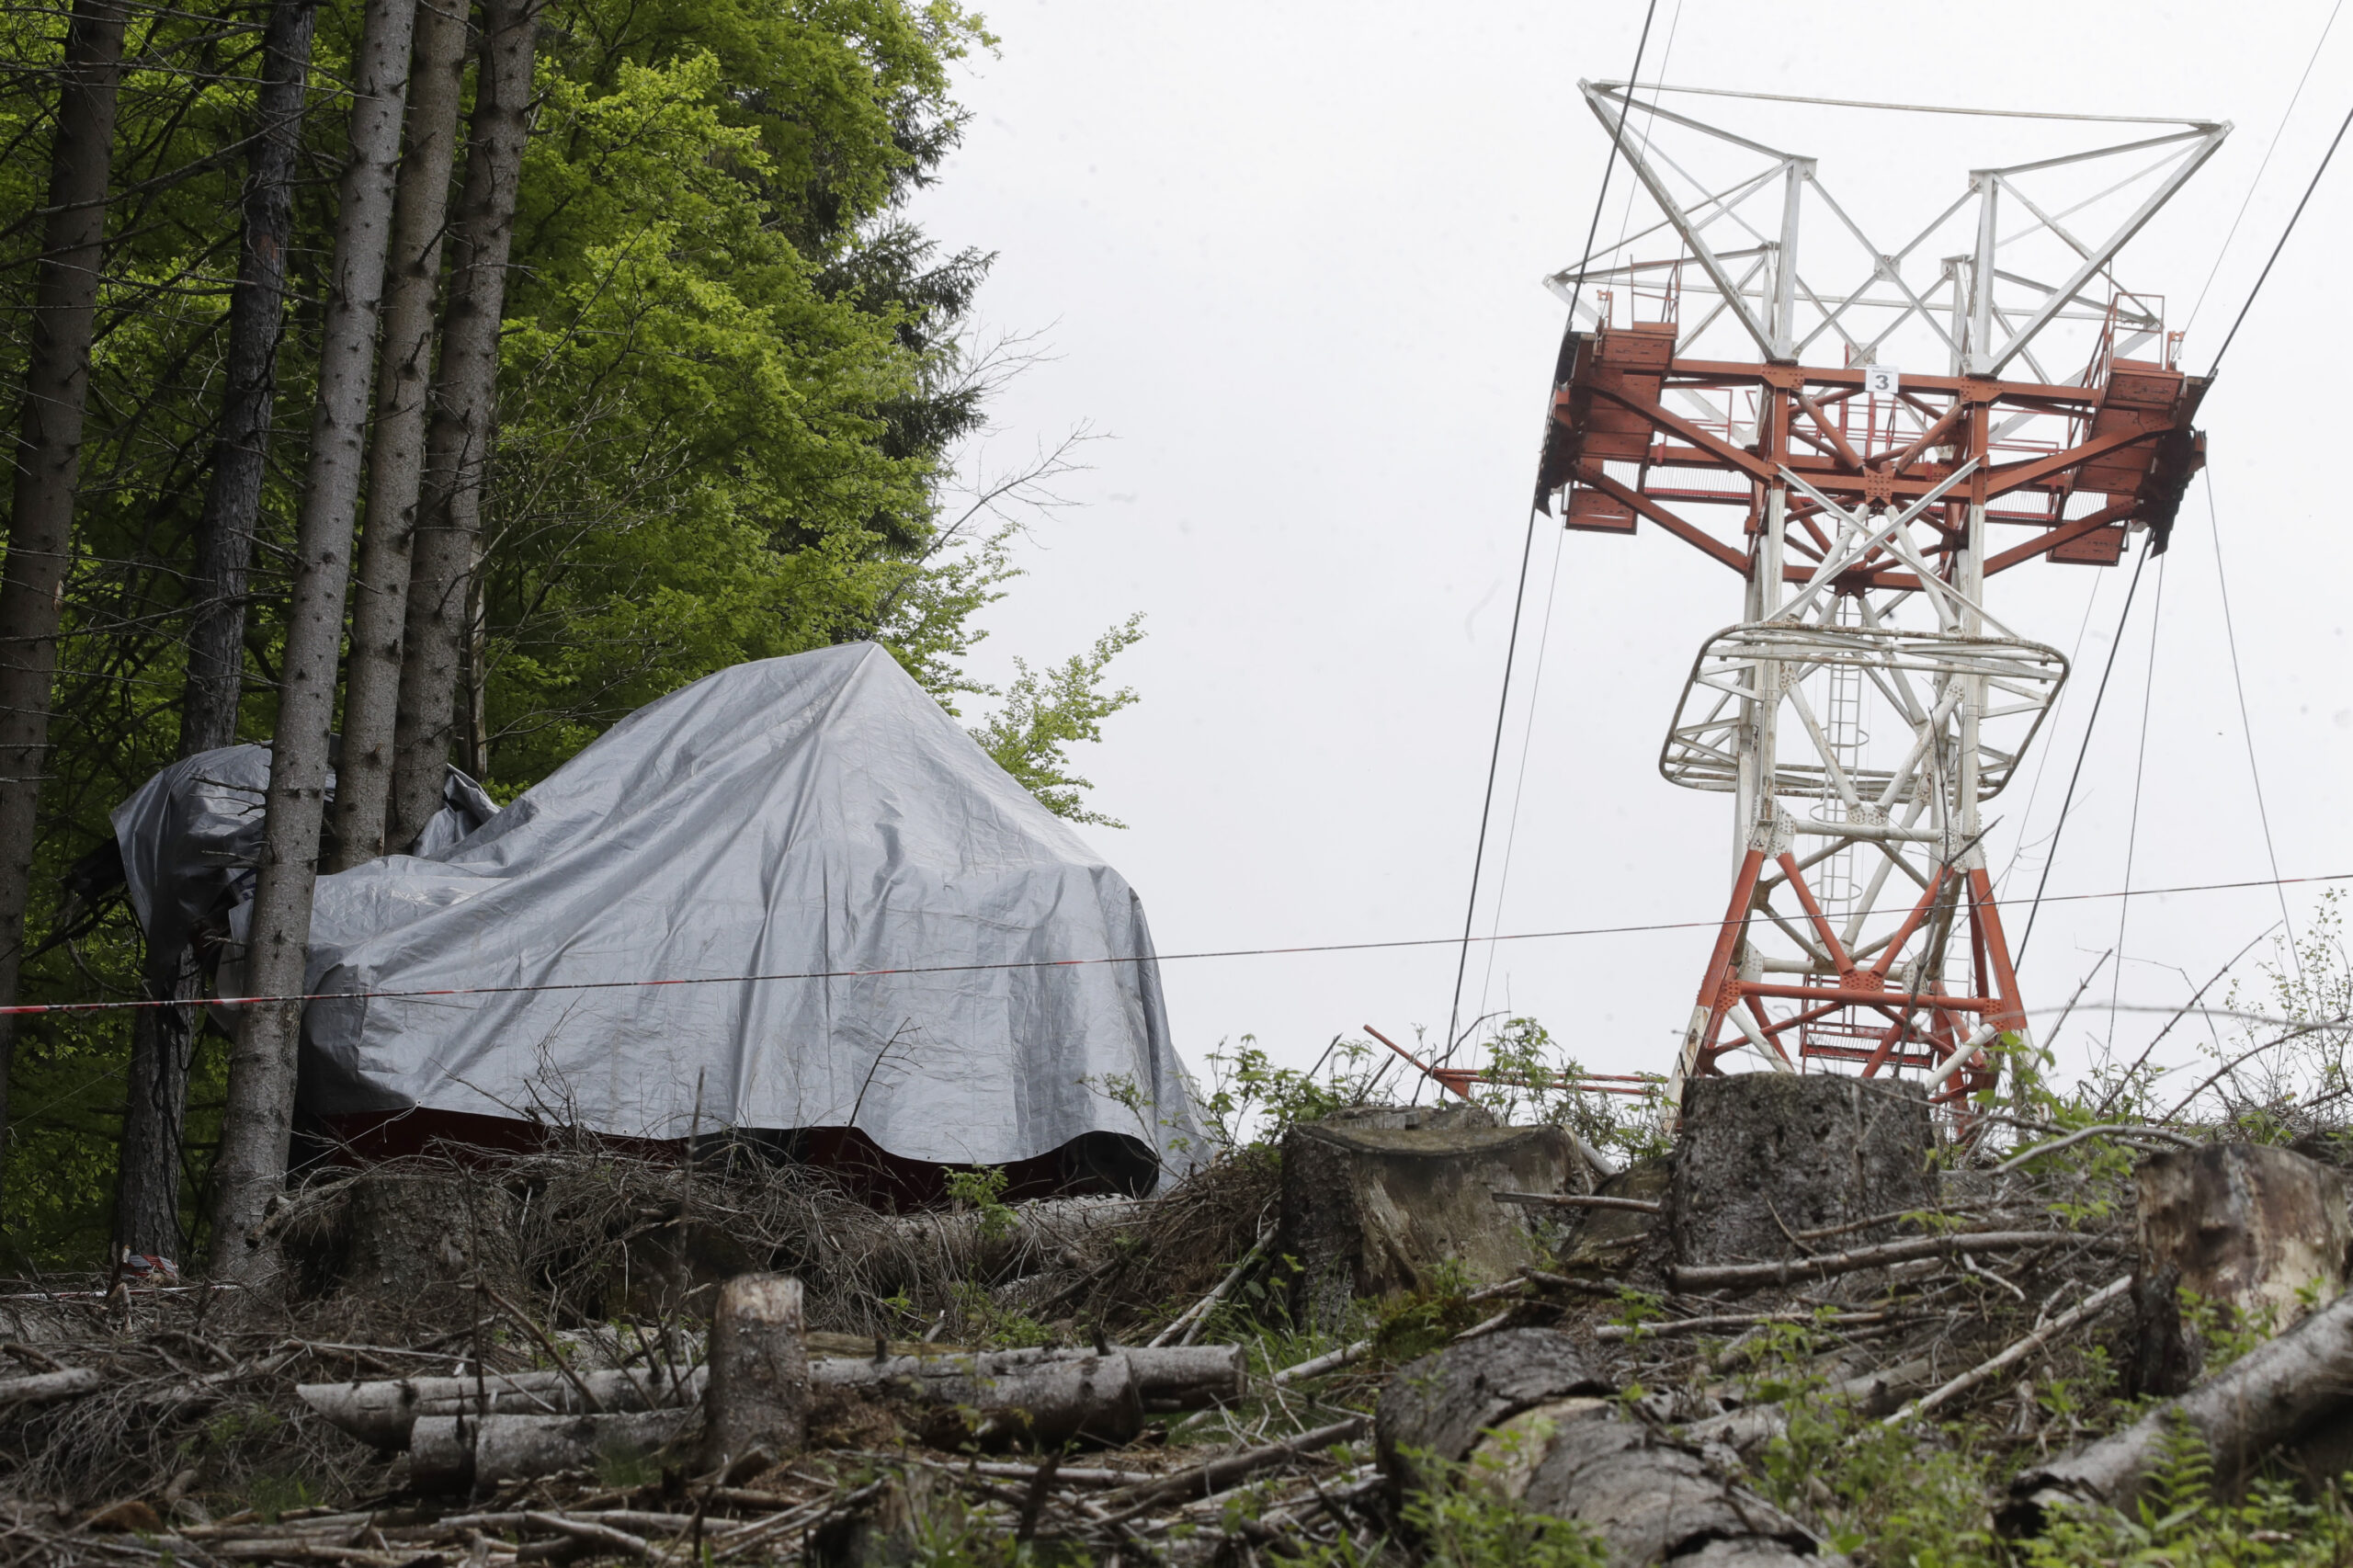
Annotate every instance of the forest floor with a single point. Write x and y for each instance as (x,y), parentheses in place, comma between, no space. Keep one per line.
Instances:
(1884,1408)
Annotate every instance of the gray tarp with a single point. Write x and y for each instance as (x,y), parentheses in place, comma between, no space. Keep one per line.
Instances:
(817,814)
(191,837)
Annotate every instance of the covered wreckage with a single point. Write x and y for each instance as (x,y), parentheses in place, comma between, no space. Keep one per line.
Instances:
(793,900)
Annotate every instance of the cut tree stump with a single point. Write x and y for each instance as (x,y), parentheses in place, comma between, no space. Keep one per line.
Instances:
(410,1243)
(757,1395)
(1370,1209)
(2256,1231)
(1608,1240)
(1764,1155)
(1531,1421)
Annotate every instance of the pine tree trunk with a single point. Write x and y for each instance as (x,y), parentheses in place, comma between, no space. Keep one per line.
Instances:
(224,533)
(48,463)
(259,1119)
(396,452)
(456,450)
(147,1191)
(154,1120)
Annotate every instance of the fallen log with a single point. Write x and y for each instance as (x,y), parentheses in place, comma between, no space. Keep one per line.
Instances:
(1064,1474)
(2279,1393)
(39,1388)
(383,1413)
(1712,1276)
(593,1531)
(1440,1404)
(455,1453)
(1330,1361)
(1186,1376)
(1665,1328)
(991,1401)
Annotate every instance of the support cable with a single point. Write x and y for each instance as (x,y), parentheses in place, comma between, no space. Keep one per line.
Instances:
(1544,628)
(2076,778)
(2265,275)
(1528,547)
(2043,764)
(2248,200)
(2246,727)
(2139,773)
(42,1009)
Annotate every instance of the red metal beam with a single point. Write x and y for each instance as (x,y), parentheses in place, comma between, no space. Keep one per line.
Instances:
(1591,476)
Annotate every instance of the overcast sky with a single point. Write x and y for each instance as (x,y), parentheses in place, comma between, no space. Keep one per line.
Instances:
(1289,258)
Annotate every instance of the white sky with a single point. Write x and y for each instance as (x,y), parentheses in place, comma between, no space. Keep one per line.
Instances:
(1289,258)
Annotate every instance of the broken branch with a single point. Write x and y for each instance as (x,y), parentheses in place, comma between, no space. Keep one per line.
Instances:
(2089,1307)
(1706,1276)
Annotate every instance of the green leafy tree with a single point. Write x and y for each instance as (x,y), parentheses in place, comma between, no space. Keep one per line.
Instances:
(735,383)
(1048,711)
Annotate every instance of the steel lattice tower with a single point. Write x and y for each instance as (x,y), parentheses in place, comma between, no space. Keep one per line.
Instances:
(1867,460)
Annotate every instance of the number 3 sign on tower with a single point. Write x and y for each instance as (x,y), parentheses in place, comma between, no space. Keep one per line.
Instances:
(1880,380)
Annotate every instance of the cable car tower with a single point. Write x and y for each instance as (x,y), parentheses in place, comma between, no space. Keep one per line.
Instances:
(1868,436)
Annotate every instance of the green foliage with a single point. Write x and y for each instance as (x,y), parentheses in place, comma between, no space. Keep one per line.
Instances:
(1046,712)
(2298,1053)
(2225,1332)
(1466,1520)
(1128,1092)
(1863,1485)
(734,381)
(1466,1528)
(1415,1322)
(1526,1086)
(982,1190)
(926,1521)
(1251,1101)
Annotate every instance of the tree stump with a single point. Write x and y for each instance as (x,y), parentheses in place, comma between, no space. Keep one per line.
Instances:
(758,1396)
(2257,1236)
(1368,1210)
(1765,1155)
(409,1244)
(1610,1241)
